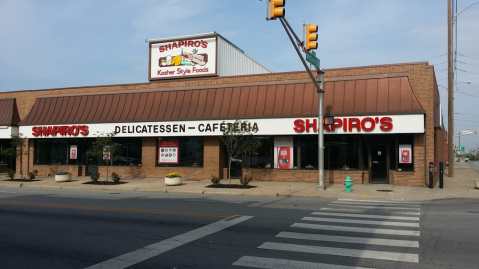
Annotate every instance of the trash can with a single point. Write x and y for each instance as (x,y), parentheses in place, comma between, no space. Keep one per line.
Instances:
(431,175)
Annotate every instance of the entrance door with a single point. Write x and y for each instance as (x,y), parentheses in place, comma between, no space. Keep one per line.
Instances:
(379,167)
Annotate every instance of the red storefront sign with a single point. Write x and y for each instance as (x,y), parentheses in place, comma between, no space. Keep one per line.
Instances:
(346,124)
(63,130)
(284,157)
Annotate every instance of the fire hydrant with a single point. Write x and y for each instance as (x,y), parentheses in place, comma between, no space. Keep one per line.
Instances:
(348,184)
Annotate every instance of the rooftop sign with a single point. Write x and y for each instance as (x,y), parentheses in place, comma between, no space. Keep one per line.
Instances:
(186,57)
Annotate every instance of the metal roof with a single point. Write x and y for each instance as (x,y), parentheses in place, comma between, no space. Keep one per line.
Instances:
(8,112)
(367,95)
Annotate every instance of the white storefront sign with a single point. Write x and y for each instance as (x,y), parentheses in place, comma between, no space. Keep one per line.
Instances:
(384,124)
(183,58)
(168,152)
(73,152)
(6,132)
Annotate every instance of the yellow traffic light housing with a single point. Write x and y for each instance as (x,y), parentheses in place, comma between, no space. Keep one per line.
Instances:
(275,9)
(311,36)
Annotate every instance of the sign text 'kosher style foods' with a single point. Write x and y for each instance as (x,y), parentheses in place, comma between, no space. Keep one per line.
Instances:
(183,58)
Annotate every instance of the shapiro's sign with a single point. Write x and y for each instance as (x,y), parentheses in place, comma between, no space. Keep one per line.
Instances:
(384,124)
(182,58)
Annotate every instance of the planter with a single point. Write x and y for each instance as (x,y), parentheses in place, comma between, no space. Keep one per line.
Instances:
(173,181)
(63,177)
(477,185)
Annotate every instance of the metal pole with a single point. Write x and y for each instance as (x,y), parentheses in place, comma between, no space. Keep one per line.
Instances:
(450,90)
(320,89)
(321,183)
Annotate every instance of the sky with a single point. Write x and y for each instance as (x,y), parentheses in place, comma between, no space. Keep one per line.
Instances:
(60,43)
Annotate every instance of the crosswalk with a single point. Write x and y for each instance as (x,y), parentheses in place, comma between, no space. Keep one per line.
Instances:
(345,234)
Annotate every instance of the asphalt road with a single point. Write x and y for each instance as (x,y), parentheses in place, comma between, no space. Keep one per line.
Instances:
(41,229)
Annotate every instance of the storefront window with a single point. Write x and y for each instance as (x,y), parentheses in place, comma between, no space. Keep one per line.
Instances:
(263,157)
(183,151)
(58,151)
(129,151)
(341,152)
(398,159)
(306,152)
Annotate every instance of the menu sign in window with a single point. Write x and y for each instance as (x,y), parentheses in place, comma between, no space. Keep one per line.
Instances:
(168,152)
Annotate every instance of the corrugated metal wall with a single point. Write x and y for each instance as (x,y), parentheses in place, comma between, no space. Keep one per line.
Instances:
(232,61)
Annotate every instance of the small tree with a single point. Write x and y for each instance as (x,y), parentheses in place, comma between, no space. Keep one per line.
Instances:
(102,148)
(238,141)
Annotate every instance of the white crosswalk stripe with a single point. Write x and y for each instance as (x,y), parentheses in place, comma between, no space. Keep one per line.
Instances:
(366,230)
(346,203)
(357,253)
(350,239)
(366,216)
(355,229)
(358,210)
(380,202)
(355,221)
(269,263)
(375,207)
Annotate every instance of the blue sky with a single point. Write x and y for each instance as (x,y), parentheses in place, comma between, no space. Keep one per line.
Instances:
(58,43)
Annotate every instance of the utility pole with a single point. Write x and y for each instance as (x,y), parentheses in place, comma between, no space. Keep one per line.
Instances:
(450,89)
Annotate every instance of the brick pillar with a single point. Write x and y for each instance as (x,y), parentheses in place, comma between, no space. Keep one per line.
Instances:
(420,161)
(211,156)
(148,156)
(23,153)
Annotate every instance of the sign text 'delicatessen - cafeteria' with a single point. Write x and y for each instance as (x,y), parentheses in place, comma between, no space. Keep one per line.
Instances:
(183,58)
(384,124)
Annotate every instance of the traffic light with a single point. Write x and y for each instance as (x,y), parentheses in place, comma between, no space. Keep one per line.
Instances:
(311,36)
(275,9)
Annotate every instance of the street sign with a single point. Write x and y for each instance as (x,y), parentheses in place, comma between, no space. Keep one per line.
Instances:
(312,59)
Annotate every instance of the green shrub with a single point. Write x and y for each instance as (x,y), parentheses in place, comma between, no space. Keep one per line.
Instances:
(215,180)
(115,177)
(173,174)
(245,180)
(95,176)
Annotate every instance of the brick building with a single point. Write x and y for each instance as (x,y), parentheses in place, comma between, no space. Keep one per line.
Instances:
(387,126)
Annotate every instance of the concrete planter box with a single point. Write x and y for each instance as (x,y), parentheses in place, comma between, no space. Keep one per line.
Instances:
(173,181)
(63,177)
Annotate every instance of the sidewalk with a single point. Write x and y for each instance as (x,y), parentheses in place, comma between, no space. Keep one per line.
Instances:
(462,185)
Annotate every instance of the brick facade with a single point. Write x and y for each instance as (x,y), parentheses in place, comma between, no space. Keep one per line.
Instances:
(428,147)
